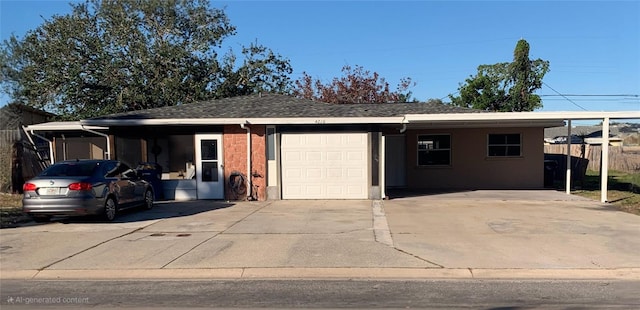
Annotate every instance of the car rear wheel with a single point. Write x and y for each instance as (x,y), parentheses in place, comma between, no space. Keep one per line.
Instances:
(110,209)
(148,200)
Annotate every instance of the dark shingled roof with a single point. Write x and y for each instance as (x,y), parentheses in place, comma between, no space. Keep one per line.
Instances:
(282,106)
(586,131)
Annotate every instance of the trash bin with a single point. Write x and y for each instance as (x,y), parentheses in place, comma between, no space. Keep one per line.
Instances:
(152,173)
(550,167)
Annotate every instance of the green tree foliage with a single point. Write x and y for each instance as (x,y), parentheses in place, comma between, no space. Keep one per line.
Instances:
(356,86)
(120,55)
(505,86)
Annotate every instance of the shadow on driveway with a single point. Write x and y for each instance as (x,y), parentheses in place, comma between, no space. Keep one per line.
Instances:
(500,195)
(161,210)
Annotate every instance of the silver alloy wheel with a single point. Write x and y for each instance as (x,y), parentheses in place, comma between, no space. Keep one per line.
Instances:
(148,200)
(110,209)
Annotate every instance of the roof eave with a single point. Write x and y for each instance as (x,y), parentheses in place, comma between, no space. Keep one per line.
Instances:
(542,119)
(255,121)
(61,126)
(504,116)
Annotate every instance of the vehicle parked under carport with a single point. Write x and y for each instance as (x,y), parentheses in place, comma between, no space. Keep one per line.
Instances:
(85,187)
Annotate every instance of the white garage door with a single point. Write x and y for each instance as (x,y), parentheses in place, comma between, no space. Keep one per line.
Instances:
(324,166)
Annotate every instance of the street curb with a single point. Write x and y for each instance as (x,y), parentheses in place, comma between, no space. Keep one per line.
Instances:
(324,273)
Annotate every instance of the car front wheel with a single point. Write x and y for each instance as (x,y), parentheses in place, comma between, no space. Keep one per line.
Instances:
(148,200)
(110,209)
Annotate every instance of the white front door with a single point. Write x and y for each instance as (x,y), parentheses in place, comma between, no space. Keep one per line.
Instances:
(395,161)
(209,174)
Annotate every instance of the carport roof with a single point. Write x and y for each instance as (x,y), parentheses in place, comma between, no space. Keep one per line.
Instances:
(62,126)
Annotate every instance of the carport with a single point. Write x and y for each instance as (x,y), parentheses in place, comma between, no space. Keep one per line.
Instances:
(470,120)
(62,131)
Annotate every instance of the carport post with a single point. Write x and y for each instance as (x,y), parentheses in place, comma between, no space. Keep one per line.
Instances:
(106,136)
(604,165)
(568,176)
(383,166)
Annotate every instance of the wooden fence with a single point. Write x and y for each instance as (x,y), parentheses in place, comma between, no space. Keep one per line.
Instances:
(7,139)
(621,158)
(19,160)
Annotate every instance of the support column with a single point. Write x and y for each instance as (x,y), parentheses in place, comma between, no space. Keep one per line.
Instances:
(383,166)
(604,165)
(568,176)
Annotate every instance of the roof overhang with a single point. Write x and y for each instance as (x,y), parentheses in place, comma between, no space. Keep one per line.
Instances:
(508,119)
(521,116)
(489,119)
(254,121)
(62,126)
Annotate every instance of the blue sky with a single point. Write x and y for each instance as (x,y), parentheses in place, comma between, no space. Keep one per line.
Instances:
(593,46)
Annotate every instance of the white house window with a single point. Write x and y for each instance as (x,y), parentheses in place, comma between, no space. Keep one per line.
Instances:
(434,150)
(504,145)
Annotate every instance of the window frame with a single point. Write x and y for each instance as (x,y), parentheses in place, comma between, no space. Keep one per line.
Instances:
(506,145)
(449,150)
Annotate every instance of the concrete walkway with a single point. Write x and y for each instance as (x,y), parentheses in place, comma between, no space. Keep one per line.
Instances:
(483,234)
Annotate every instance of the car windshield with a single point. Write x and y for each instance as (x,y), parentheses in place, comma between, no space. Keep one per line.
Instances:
(71,169)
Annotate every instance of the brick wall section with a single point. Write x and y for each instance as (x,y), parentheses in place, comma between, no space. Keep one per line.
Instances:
(235,157)
(259,159)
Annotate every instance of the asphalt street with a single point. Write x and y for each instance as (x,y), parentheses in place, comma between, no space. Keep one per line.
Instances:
(324,294)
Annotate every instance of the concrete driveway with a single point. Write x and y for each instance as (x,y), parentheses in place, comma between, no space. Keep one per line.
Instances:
(206,235)
(448,235)
(514,229)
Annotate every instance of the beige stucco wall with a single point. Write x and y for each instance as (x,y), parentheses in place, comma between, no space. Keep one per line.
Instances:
(471,168)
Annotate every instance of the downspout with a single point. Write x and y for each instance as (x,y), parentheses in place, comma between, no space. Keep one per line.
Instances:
(43,138)
(248,129)
(404,124)
(102,135)
(64,147)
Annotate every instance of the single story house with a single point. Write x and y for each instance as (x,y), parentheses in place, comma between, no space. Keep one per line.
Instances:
(293,148)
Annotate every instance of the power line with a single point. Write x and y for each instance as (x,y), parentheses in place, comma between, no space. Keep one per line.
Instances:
(574,95)
(452,94)
(565,97)
(621,100)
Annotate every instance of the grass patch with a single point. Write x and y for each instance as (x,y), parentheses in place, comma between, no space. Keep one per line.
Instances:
(623,193)
(11,210)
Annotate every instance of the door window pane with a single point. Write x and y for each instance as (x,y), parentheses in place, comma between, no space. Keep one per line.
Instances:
(209,149)
(210,172)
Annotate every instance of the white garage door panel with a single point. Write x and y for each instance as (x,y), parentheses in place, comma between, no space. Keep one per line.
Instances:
(324,166)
